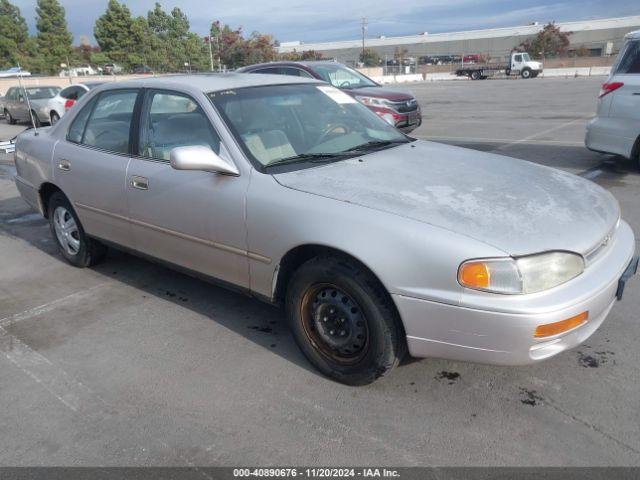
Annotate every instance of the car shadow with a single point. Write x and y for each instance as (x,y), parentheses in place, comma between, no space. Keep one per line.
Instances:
(259,322)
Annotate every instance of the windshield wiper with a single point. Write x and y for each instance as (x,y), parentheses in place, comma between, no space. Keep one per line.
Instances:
(374,144)
(313,157)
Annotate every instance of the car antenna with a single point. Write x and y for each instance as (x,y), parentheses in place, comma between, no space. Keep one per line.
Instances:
(26,95)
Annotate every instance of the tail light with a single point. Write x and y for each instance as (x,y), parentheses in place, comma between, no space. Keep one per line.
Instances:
(609,87)
(68,104)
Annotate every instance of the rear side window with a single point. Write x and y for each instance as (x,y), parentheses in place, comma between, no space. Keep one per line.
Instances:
(630,59)
(109,123)
(296,72)
(270,70)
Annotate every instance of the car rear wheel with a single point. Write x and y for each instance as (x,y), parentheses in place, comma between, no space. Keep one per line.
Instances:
(74,245)
(344,321)
(54,118)
(9,118)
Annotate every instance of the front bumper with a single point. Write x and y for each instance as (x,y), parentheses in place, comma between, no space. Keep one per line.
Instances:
(505,336)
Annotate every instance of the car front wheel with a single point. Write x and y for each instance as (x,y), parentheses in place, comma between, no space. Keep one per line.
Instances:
(74,245)
(344,321)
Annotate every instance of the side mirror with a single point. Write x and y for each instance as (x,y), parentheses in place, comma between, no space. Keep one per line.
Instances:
(201,158)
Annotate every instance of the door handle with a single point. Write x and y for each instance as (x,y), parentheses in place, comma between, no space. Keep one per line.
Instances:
(140,183)
(64,165)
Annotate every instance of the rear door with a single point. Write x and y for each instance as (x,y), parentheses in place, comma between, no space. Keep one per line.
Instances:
(624,110)
(193,219)
(90,165)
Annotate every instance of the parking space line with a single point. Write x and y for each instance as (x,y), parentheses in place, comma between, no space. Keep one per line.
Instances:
(47,307)
(73,394)
(544,132)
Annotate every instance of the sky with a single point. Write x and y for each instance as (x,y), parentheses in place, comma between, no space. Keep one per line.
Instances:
(308,21)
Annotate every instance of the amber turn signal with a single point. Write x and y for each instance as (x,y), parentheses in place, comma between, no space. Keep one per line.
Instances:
(551,329)
(474,275)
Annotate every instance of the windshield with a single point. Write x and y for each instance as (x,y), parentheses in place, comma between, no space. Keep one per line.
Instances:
(526,57)
(341,76)
(42,92)
(297,123)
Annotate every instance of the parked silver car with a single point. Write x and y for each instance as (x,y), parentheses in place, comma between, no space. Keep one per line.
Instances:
(616,128)
(293,191)
(16,107)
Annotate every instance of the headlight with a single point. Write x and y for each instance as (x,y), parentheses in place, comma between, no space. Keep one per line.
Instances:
(374,101)
(530,274)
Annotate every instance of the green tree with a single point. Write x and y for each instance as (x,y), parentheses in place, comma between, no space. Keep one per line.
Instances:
(13,34)
(369,58)
(549,42)
(120,36)
(54,40)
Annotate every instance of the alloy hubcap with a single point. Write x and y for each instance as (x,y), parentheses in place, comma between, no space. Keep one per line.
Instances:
(335,323)
(66,230)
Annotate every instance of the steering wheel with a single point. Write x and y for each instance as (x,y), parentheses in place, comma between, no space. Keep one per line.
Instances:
(330,129)
(345,84)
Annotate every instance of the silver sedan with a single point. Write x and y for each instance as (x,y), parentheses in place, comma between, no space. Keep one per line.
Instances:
(375,243)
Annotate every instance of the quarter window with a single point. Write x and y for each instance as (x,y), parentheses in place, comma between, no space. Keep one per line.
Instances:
(173,120)
(110,121)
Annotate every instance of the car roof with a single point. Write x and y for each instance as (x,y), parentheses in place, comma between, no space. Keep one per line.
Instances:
(284,63)
(209,82)
(635,34)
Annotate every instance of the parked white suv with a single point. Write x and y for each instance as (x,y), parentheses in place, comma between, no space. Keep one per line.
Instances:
(616,127)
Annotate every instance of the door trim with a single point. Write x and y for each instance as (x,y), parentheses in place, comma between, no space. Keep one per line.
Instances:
(184,236)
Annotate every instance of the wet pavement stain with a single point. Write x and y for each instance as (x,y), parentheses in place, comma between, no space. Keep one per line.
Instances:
(452,377)
(595,360)
(261,329)
(531,397)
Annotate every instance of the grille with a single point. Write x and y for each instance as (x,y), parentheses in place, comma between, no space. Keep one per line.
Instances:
(405,106)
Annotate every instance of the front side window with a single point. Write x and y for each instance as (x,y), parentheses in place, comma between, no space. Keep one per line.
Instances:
(171,120)
(110,120)
(517,58)
(341,76)
(630,59)
(301,123)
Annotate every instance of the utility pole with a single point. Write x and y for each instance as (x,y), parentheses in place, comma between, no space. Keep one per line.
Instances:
(208,42)
(364,29)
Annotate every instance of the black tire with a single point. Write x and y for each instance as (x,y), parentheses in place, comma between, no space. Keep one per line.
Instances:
(10,120)
(526,73)
(36,120)
(370,323)
(90,251)
(54,118)
(507,72)
(475,75)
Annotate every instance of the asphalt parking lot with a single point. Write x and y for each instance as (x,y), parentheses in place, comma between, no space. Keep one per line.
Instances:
(130,363)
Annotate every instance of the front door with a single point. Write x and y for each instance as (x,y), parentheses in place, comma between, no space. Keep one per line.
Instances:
(192,219)
(90,165)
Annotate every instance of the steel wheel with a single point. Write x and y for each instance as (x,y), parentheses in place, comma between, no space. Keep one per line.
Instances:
(334,323)
(66,230)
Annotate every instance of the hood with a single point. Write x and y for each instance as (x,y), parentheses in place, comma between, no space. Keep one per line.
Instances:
(381,92)
(516,206)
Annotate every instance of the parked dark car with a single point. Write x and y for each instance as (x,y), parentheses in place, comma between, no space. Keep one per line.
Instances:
(400,109)
(141,70)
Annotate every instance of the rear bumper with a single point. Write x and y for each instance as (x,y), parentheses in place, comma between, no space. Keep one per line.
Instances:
(603,136)
(503,337)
